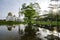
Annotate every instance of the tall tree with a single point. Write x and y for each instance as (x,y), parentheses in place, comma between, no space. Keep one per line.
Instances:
(29,13)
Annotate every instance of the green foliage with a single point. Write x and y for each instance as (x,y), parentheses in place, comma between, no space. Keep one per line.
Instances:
(49,22)
(52,16)
(29,13)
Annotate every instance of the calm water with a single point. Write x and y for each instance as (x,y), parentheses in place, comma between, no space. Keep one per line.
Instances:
(13,32)
(10,32)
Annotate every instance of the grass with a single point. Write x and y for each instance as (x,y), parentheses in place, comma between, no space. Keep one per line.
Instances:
(49,22)
(40,22)
(9,22)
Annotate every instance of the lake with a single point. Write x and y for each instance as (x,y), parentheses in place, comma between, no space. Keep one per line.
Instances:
(14,32)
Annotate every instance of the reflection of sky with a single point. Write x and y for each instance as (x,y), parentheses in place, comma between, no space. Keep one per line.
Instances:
(5,34)
(13,6)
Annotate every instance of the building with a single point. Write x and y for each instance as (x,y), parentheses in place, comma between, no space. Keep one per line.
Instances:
(11,17)
(21,16)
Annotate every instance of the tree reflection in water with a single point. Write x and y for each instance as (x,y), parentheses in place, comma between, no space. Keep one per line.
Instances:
(30,34)
(20,32)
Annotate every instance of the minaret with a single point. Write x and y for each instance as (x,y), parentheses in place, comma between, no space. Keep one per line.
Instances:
(19,12)
(21,16)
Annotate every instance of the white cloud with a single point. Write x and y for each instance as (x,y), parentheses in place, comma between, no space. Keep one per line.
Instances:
(43,4)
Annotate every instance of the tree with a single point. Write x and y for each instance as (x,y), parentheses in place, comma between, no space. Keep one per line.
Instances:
(29,13)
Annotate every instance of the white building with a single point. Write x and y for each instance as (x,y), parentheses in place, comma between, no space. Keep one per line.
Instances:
(21,16)
(11,17)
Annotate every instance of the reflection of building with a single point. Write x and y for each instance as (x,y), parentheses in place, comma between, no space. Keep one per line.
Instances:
(9,27)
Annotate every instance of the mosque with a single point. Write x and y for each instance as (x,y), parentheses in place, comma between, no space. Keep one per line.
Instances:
(11,17)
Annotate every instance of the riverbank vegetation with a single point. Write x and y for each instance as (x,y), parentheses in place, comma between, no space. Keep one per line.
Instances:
(40,22)
(3,22)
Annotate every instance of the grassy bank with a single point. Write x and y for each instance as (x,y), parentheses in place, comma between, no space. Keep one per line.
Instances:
(49,22)
(9,22)
(40,22)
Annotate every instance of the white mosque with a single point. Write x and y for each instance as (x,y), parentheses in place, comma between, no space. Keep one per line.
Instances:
(11,17)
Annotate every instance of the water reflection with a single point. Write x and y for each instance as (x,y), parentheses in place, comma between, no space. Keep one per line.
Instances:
(8,33)
(29,34)
(17,32)
(9,27)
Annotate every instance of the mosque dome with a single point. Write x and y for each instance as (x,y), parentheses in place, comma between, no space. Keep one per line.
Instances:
(9,14)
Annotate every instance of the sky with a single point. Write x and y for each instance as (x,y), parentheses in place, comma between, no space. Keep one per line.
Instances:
(14,5)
